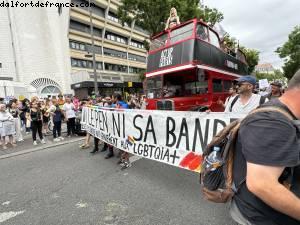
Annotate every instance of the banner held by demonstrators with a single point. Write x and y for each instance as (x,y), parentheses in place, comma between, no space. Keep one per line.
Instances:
(175,138)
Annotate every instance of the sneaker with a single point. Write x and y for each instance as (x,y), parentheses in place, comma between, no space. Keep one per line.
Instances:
(125,165)
(56,139)
(20,140)
(27,132)
(61,138)
(69,136)
(34,143)
(43,141)
(4,147)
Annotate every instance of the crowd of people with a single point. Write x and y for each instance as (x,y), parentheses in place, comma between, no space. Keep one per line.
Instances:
(115,101)
(37,115)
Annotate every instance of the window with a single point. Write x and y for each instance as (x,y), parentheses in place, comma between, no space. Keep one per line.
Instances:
(182,33)
(214,40)
(202,32)
(81,63)
(158,42)
(115,67)
(154,87)
(114,53)
(116,38)
(217,85)
(135,70)
(79,26)
(113,17)
(77,46)
(99,65)
(97,32)
(50,90)
(227,85)
(136,58)
(137,44)
(196,84)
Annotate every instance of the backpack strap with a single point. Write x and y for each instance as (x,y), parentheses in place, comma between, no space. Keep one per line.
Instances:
(233,102)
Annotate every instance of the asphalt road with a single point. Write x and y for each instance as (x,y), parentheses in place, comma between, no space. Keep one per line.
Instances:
(65,185)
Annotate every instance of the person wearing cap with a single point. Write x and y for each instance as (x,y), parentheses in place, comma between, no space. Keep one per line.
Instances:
(276,90)
(246,100)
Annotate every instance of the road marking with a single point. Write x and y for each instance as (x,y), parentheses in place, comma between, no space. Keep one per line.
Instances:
(81,205)
(8,215)
(6,203)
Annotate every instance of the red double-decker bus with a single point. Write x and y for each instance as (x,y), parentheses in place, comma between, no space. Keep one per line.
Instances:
(187,69)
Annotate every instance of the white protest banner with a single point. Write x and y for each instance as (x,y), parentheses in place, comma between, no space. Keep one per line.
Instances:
(175,138)
(264,83)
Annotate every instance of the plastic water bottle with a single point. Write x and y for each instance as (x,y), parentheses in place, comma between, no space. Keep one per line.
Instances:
(214,159)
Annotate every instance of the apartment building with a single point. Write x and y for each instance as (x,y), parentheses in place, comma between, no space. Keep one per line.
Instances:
(120,52)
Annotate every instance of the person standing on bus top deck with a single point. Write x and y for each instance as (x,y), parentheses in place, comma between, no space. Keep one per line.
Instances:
(246,100)
(173,19)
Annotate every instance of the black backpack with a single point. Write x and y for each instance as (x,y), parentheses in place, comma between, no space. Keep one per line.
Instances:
(217,185)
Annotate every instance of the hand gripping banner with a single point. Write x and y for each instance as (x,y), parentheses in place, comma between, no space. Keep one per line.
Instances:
(172,137)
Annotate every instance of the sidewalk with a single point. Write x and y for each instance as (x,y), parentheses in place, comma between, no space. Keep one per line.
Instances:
(27,146)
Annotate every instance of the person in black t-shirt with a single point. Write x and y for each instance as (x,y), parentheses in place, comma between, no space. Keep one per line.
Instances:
(268,146)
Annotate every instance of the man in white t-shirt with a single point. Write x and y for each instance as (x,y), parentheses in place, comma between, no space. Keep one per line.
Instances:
(246,100)
(69,110)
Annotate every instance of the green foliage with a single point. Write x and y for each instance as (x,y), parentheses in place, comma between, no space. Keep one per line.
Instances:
(152,15)
(290,51)
(230,42)
(277,75)
(252,57)
(142,75)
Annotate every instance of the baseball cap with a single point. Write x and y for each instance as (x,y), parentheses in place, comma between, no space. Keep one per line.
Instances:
(276,83)
(247,78)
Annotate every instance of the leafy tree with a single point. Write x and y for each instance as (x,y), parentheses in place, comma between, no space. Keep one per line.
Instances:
(152,15)
(252,57)
(277,75)
(290,51)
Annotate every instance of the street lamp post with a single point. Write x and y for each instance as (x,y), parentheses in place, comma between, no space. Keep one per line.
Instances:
(93,49)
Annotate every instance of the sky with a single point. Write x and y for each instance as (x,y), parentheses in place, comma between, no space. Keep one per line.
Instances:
(260,24)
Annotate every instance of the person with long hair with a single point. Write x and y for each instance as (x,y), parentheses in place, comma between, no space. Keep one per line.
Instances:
(173,19)
(44,108)
(25,108)
(36,118)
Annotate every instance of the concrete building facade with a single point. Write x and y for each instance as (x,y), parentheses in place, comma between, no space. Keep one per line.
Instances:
(46,51)
(120,51)
(36,49)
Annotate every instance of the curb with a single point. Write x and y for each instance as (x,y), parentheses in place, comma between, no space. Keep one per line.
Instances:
(38,149)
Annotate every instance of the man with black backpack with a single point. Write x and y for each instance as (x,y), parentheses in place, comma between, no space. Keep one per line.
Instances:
(246,100)
(266,166)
